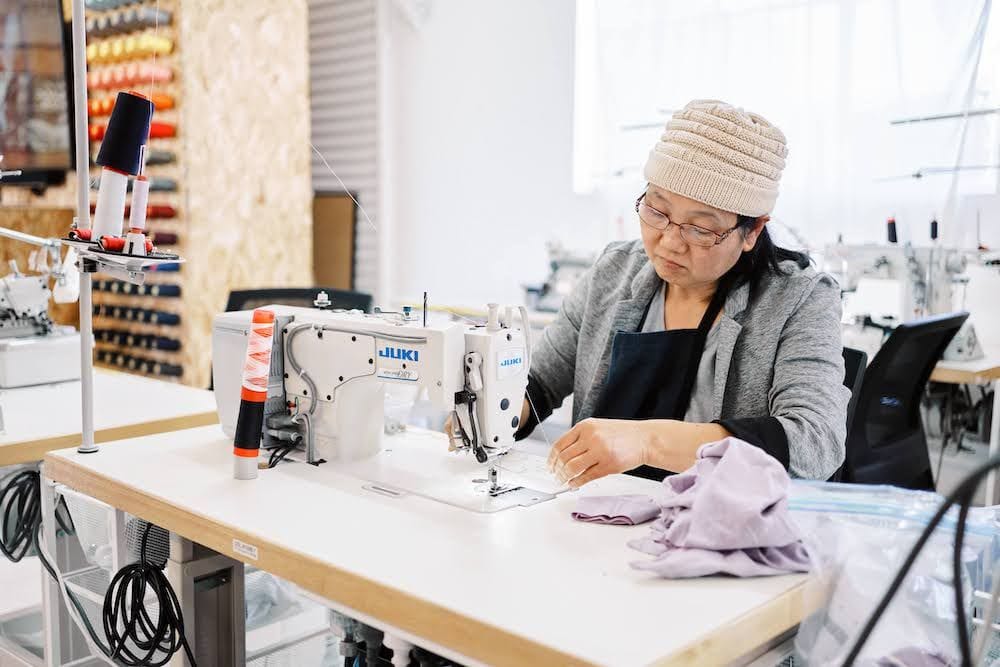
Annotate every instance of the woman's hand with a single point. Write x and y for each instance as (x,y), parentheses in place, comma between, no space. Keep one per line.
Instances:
(598,447)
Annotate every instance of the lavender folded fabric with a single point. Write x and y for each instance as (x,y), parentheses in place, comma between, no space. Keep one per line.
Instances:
(682,563)
(726,514)
(735,496)
(617,510)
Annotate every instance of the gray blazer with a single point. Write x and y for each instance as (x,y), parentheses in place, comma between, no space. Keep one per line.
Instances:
(779,351)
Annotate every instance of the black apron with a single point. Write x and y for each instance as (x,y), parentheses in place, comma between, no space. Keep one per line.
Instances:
(651,375)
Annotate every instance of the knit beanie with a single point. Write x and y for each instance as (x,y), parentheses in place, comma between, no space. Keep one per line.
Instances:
(720,155)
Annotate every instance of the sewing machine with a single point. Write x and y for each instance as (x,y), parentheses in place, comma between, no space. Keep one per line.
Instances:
(896,283)
(33,349)
(326,391)
(566,268)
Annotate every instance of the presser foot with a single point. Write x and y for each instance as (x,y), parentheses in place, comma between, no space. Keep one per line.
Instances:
(496,488)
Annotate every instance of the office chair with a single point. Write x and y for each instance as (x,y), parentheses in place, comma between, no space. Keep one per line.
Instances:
(886,442)
(248,299)
(855,363)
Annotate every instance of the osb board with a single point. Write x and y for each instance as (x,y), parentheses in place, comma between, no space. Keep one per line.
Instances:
(44,222)
(245,136)
(244,205)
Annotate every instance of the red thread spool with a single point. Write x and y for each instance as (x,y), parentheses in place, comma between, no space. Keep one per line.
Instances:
(117,243)
(162,130)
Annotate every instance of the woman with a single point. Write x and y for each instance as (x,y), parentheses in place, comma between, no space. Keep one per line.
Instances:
(701,330)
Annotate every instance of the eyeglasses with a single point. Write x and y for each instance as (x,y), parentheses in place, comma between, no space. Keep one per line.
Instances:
(692,234)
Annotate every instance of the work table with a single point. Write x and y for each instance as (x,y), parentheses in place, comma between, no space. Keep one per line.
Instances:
(526,585)
(45,417)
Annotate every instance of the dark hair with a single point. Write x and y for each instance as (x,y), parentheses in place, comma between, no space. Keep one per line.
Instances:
(765,258)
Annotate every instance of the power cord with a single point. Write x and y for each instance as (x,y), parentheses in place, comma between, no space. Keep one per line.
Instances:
(278,454)
(126,617)
(73,605)
(21,507)
(961,495)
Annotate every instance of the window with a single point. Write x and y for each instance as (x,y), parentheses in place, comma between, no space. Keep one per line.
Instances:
(832,74)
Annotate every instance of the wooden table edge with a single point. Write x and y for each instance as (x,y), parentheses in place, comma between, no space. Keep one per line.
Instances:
(468,637)
(29,451)
(960,376)
(742,636)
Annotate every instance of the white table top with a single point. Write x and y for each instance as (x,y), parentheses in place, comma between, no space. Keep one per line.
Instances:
(45,417)
(523,586)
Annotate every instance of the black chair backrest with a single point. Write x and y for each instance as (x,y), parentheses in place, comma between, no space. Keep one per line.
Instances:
(249,299)
(855,362)
(854,372)
(886,442)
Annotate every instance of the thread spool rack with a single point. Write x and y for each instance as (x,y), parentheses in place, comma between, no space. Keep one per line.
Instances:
(229,166)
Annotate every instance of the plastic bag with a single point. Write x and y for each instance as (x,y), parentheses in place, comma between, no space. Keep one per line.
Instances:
(860,535)
(268,598)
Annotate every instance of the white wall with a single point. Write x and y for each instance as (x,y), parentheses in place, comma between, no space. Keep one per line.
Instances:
(479,156)
(477,161)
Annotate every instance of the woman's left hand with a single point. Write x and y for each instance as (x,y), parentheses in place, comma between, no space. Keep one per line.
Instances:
(598,447)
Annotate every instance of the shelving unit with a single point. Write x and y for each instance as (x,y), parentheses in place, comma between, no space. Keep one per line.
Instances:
(232,153)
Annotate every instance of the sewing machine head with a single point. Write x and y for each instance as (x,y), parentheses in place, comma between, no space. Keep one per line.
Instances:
(24,299)
(24,305)
(33,349)
(329,369)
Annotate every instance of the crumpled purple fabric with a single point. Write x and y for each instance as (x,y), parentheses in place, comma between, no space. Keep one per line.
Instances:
(617,510)
(726,514)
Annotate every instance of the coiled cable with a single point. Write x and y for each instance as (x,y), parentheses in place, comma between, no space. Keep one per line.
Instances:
(127,621)
(20,514)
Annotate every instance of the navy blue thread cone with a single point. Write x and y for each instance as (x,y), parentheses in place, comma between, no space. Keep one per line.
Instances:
(128,130)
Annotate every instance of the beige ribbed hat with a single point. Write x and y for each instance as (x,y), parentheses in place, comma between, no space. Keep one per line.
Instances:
(720,155)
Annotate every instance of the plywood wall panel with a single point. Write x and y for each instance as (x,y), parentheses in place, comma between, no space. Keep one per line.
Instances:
(246,141)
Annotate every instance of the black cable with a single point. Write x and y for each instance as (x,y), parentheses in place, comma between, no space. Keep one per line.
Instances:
(21,504)
(167,626)
(63,518)
(69,594)
(956,565)
(126,618)
(278,454)
(963,492)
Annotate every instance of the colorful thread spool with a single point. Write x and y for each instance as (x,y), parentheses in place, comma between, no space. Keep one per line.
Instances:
(256,370)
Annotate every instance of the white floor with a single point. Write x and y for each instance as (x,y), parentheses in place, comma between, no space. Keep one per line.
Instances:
(20,585)
(958,464)
(20,592)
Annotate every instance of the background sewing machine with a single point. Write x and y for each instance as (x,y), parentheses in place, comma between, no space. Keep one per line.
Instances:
(33,349)
(326,394)
(897,283)
(887,284)
(565,269)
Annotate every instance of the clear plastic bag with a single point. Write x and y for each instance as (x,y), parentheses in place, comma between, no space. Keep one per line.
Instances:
(268,598)
(859,536)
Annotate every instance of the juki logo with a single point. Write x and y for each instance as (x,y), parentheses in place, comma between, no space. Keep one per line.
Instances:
(514,361)
(399,353)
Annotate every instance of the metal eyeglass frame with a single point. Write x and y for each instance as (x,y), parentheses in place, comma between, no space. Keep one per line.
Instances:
(719,238)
